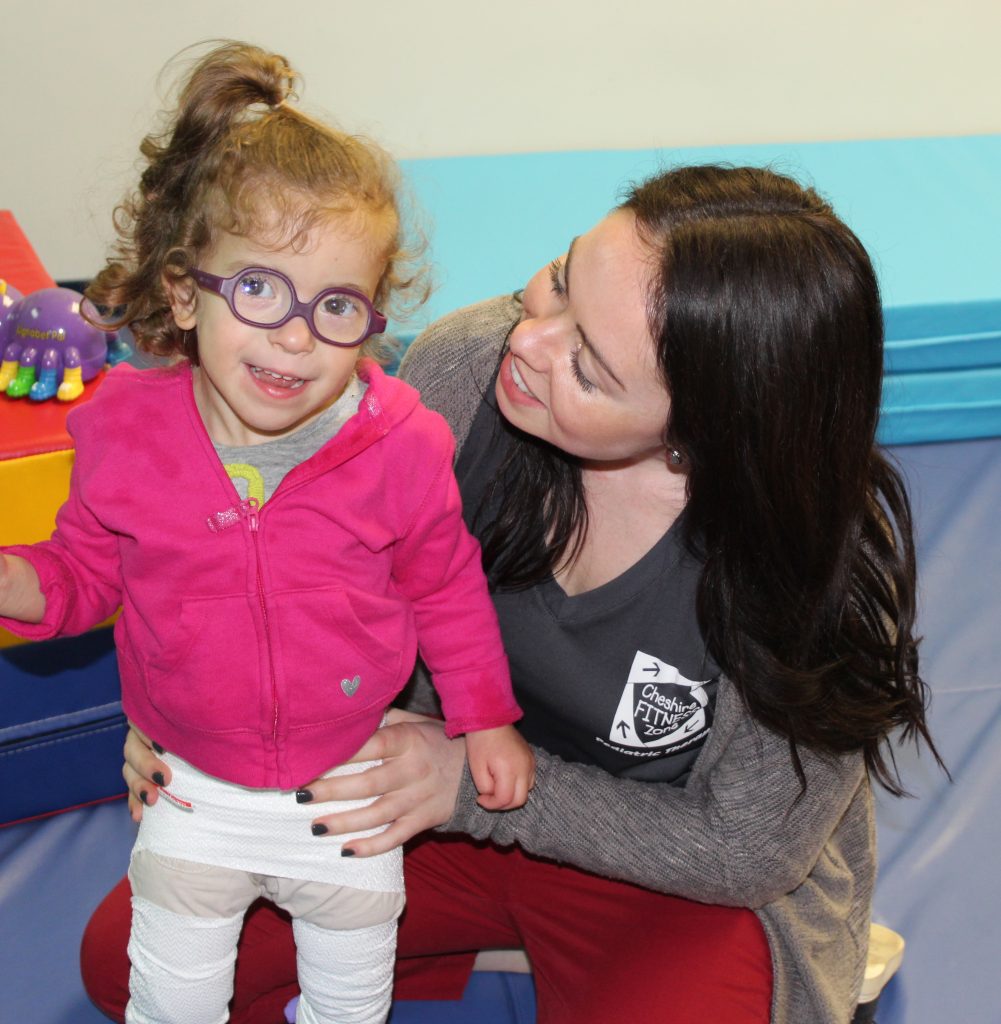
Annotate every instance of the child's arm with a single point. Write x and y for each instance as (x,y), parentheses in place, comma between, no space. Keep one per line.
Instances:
(502,766)
(21,594)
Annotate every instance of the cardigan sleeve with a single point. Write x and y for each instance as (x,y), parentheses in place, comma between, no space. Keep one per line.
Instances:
(452,362)
(742,832)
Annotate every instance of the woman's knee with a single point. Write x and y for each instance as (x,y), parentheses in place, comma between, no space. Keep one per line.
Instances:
(104,962)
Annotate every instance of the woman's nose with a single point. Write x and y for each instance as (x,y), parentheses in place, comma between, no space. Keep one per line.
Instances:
(294,335)
(539,337)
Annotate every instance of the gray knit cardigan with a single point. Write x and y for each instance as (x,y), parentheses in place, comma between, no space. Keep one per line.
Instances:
(740,833)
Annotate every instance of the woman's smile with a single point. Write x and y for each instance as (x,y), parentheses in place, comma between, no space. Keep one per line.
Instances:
(515,389)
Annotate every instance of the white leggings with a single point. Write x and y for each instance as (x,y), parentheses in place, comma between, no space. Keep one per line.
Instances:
(186,920)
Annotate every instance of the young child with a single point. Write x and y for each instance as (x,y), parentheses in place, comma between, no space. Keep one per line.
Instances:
(280,525)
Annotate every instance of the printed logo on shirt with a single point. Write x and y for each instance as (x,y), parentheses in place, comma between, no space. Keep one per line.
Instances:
(250,477)
(659,707)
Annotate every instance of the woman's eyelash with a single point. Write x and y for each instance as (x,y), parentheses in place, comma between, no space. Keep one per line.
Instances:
(554,278)
(585,384)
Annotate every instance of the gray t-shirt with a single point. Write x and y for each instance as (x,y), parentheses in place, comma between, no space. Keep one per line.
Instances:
(257,470)
(629,685)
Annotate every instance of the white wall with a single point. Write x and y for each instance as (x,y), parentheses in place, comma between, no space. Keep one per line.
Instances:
(449,77)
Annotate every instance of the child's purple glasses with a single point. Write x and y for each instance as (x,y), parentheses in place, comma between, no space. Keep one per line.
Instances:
(267,298)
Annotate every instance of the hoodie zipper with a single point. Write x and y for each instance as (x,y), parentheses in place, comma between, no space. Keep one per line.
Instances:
(254,521)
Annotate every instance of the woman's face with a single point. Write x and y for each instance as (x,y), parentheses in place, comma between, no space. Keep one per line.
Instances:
(581,372)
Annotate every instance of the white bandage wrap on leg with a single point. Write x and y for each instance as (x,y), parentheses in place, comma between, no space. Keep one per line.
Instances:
(346,977)
(182,967)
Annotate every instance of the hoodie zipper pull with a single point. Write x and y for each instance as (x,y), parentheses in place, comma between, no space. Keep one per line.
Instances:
(219,521)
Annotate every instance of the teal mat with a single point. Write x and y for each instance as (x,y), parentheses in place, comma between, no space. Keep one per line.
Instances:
(928,211)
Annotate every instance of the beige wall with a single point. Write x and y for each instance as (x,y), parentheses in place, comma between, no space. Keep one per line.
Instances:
(466,76)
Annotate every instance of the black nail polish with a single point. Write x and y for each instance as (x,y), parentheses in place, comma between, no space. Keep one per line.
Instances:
(158,778)
(144,796)
(303,796)
(157,747)
(318,830)
(347,852)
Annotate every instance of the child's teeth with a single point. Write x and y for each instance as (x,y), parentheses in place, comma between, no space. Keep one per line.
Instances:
(296,382)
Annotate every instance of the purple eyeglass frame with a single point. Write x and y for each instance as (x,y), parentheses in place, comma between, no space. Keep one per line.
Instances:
(226,286)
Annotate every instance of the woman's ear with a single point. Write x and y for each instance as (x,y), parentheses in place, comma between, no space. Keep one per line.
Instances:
(183,295)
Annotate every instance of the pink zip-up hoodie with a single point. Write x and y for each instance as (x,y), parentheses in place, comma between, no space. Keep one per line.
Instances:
(263,645)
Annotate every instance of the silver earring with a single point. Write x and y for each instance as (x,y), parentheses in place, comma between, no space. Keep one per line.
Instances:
(675,458)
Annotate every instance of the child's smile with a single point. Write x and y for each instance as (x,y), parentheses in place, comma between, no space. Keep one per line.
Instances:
(274,383)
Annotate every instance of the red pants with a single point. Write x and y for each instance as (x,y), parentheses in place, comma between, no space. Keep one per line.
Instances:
(602,952)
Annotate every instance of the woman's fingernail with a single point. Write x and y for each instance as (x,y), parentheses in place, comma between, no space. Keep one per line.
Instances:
(158,778)
(347,852)
(157,747)
(303,796)
(144,796)
(318,830)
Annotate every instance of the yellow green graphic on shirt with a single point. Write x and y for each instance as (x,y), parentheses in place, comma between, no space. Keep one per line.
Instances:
(250,476)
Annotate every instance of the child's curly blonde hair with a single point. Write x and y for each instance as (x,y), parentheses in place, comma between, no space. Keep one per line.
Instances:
(236,156)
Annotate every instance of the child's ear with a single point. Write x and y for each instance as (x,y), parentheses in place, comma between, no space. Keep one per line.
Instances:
(183,295)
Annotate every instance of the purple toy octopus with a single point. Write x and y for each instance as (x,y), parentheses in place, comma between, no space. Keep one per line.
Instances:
(48,348)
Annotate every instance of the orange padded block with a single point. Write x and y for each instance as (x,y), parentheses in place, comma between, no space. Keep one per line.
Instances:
(19,263)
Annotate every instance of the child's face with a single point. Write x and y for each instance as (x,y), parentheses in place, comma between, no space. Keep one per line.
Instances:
(256,384)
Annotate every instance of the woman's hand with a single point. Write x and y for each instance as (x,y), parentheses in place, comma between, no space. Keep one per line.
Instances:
(415,786)
(143,772)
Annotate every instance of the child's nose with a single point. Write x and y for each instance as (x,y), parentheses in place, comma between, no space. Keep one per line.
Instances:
(294,335)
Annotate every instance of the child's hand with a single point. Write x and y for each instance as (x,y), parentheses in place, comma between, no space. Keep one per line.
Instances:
(20,592)
(502,766)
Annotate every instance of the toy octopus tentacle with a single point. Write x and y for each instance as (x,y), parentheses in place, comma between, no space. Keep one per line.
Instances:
(72,385)
(48,376)
(8,368)
(25,377)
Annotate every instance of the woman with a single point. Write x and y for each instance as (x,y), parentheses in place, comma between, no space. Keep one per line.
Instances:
(704,573)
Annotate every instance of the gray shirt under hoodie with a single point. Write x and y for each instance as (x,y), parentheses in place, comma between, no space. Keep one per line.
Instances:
(729,824)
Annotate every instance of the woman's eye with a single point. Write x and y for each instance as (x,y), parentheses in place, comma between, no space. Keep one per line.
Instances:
(586,384)
(554,277)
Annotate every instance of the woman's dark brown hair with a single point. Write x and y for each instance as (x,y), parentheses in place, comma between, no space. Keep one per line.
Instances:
(766,318)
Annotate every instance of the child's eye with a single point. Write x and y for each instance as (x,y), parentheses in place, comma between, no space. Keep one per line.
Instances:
(257,286)
(554,278)
(585,383)
(339,305)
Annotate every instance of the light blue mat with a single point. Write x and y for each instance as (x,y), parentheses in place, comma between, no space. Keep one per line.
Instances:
(928,211)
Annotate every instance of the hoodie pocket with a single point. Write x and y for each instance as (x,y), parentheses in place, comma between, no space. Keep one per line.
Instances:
(341,651)
(207,675)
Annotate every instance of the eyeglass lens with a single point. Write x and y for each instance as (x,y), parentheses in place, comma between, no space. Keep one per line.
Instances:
(264,299)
